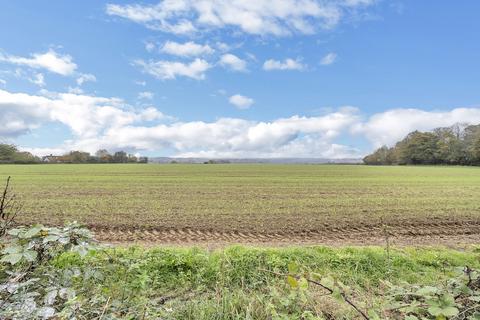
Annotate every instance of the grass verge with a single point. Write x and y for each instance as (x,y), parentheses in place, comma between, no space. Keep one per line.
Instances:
(178,283)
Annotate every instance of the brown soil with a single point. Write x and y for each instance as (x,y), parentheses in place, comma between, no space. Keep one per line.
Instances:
(455,233)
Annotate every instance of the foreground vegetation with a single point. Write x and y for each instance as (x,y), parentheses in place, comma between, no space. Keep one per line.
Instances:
(456,145)
(250,198)
(55,273)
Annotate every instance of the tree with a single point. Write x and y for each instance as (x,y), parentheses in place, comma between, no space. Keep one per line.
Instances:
(450,149)
(25,158)
(10,154)
(143,160)
(76,157)
(7,153)
(418,148)
(120,157)
(103,156)
(132,158)
(383,155)
(472,144)
(455,145)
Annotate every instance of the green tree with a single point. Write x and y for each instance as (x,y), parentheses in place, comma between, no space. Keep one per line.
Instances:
(7,153)
(120,157)
(382,156)
(472,144)
(10,154)
(418,148)
(450,148)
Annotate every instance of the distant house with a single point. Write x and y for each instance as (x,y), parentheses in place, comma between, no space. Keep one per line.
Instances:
(51,159)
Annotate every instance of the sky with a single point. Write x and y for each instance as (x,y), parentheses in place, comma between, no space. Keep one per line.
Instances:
(235,78)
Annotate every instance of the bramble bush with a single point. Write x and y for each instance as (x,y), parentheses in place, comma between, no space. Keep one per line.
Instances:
(30,287)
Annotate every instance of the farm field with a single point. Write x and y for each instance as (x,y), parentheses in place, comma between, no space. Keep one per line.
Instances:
(255,203)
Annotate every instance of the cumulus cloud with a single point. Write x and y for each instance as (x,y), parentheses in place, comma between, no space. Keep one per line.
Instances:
(146,95)
(241,102)
(187,49)
(166,70)
(328,59)
(233,62)
(75,90)
(149,46)
(260,17)
(386,128)
(50,60)
(287,64)
(86,116)
(229,137)
(38,79)
(85,77)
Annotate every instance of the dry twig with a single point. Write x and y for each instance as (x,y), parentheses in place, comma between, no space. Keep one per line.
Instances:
(329,290)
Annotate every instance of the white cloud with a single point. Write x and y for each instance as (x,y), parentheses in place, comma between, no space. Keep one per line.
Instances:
(171,69)
(149,46)
(84,77)
(187,49)
(50,60)
(86,116)
(237,137)
(386,128)
(147,95)
(277,17)
(233,62)
(241,102)
(222,46)
(140,83)
(75,90)
(38,79)
(4,82)
(97,122)
(287,64)
(328,59)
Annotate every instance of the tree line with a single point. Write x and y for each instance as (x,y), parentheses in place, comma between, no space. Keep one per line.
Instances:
(455,145)
(10,154)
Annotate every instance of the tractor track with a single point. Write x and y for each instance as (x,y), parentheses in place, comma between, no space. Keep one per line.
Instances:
(422,232)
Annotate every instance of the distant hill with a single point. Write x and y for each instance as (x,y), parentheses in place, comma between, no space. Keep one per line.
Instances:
(255,160)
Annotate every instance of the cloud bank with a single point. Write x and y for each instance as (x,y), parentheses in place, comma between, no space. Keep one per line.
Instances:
(98,122)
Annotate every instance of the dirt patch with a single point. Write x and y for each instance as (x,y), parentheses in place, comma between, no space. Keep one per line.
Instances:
(452,233)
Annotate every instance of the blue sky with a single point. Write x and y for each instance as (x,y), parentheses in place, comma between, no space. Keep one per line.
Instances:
(240,78)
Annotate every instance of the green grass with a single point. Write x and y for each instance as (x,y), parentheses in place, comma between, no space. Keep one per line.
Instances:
(230,283)
(240,197)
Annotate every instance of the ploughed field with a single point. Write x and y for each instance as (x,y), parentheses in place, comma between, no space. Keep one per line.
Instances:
(255,203)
